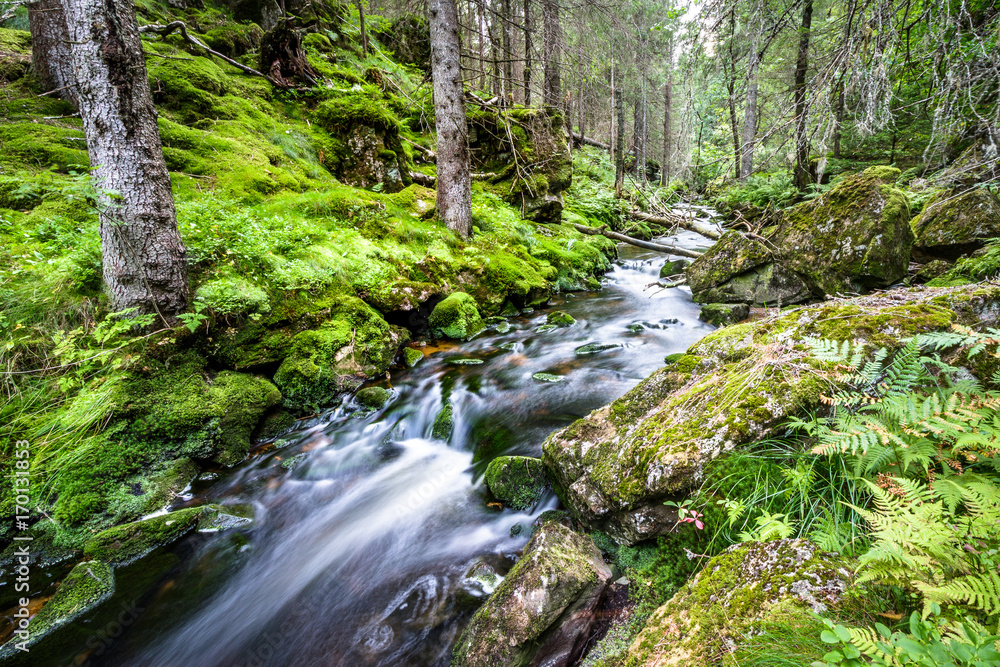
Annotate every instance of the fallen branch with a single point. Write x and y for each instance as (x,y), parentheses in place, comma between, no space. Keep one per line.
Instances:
(423,179)
(164,30)
(672,283)
(426,152)
(679,221)
(659,247)
(587,141)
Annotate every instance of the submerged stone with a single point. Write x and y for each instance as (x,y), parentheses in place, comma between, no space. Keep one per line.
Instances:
(594,348)
(542,611)
(724,314)
(547,327)
(560,318)
(516,481)
(636,327)
(547,377)
(86,587)
(456,317)
(465,361)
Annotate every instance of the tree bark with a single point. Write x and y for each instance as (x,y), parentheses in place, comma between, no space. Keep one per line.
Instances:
(361,20)
(50,57)
(680,221)
(668,95)
(508,52)
(145,262)
(803,177)
(750,118)
(620,145)
(551,85)
(731,88)
(454,182)
(527,53)
(580,109)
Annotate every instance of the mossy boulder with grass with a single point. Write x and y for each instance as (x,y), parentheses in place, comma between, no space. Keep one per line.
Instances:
(956,224)
(560,318)
(130,542)
(854,238)
(544,607)
(724,314)
(516,481)
(373,398)
(322,363)
(735,593)
(86,587)
(456,317)
(614,468)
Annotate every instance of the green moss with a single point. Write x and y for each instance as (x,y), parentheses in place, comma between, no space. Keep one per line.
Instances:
(456,317)
(412,356)
(373,398)
(130,542)
(444,423)
(882,173)
(85,588)
(516,481)
(560,318)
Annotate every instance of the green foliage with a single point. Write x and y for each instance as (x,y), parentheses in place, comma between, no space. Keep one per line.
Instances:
(764,190)
(930,642)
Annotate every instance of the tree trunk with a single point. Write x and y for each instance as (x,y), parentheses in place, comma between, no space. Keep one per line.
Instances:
(145,262)
(361,20)
(527,53)
(580,110)
(454,182)
(803,177)
(668,95)
(620,145)
(482,44)
(50,57)
(551,86)
(731,87)
(508,52)
(750,119)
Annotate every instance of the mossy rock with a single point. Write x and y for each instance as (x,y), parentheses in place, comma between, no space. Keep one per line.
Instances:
(724,314)
(550,378)
(412,357)
(544,605)
(516,481)
(614,468)
(735,592)
(373,398)
(673,267)
(854,238)
(444,423)
(322,363)
(456,317)
(130,542)
(86,587)
(560,318)
(956,224)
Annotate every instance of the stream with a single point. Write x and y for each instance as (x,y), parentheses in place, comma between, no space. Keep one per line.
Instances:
(366,526)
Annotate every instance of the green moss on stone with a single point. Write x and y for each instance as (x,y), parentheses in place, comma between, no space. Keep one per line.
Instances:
(373,398)
(516,481)
(560,318)
(456,317)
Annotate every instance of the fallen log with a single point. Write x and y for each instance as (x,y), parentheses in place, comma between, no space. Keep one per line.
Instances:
(423,179)
(639,243)
(679,221)
(588,141)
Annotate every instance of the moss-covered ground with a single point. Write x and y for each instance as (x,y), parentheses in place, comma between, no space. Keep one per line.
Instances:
(308,246)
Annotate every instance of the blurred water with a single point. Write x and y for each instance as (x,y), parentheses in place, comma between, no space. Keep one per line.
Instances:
(359,552)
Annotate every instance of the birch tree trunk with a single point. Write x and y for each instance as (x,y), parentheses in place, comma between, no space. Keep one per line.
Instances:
(803,177)
(454,182)
(145,262)
(551,85)
(50,58)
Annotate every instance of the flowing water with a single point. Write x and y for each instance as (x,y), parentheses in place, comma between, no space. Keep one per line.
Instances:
(366,525)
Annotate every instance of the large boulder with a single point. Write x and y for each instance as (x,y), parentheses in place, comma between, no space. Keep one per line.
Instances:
(956,224)
(854,238)
(614,468)
(746,584)
(543,610)
(516,481)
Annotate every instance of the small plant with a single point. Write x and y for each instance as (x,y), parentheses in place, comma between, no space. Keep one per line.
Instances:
(687,514)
